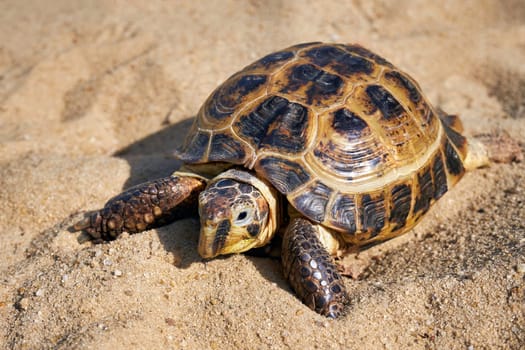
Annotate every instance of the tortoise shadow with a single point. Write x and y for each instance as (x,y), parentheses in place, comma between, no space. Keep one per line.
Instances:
(152,157)
(149,158)
(181,238)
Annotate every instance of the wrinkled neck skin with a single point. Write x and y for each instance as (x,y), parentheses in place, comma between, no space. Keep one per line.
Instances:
(218,213)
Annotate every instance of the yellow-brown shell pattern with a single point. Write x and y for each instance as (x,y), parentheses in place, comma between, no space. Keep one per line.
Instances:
(346,136)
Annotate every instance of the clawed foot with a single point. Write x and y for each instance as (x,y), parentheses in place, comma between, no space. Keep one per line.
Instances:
(311,271)
(144,206)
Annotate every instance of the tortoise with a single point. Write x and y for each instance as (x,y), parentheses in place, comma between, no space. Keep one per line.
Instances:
(329,145)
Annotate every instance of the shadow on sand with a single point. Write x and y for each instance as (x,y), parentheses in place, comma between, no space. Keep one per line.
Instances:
(151,158)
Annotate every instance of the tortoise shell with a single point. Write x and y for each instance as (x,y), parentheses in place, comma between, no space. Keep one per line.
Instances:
(348,138)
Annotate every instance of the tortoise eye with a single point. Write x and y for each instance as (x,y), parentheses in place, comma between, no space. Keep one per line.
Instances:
(242,215)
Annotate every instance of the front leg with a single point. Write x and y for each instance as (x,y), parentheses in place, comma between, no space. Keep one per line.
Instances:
(311,271)
(148,205)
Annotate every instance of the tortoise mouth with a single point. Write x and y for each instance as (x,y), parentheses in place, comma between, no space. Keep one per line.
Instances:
(213,238)
(224,239)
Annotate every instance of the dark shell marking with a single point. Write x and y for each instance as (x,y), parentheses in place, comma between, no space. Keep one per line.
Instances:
(372,214)
(453,161)
(276,124)
(400,203)
(312,201)
(284,174)
(339,61)
(322,122)
(361,51)
(388,105)
(425,192)
(272,60)
(311,85)
(348,124)
(403,82)
(227,97)
(225,148)
(347,147)
(343,213)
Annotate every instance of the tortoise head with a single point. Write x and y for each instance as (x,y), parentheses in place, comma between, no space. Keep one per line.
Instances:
(235,215)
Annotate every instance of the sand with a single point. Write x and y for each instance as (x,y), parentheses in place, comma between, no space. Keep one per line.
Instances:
(94,96)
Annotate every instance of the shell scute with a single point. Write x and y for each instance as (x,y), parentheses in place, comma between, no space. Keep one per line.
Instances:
(372,212)
(309,84)
(408,133)
(361,51)
(347,148)
(226,148)
(458,140)
(401,201)
(338,60)
(453,161)
(285,174)
(409,94)
(424,192)
(226,99)
(401,81)
(276,124)
(343,213)
(272,60)
(195,147)
(312,201)
(440,177)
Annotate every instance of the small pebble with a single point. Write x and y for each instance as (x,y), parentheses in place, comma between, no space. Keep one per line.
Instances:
(117,273)
(520,268)
(64,278)
(39,293)
(23,303)
(107,262)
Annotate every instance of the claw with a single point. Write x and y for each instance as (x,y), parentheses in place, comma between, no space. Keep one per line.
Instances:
(90,224)
(82,224)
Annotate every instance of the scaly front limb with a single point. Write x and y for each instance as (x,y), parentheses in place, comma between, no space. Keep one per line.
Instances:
(311,271)
(145,206)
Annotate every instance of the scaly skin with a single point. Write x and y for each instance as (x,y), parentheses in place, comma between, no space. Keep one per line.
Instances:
(148,205)
(311,271)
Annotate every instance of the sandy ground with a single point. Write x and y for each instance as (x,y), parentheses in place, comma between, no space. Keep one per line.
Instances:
(94,95)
